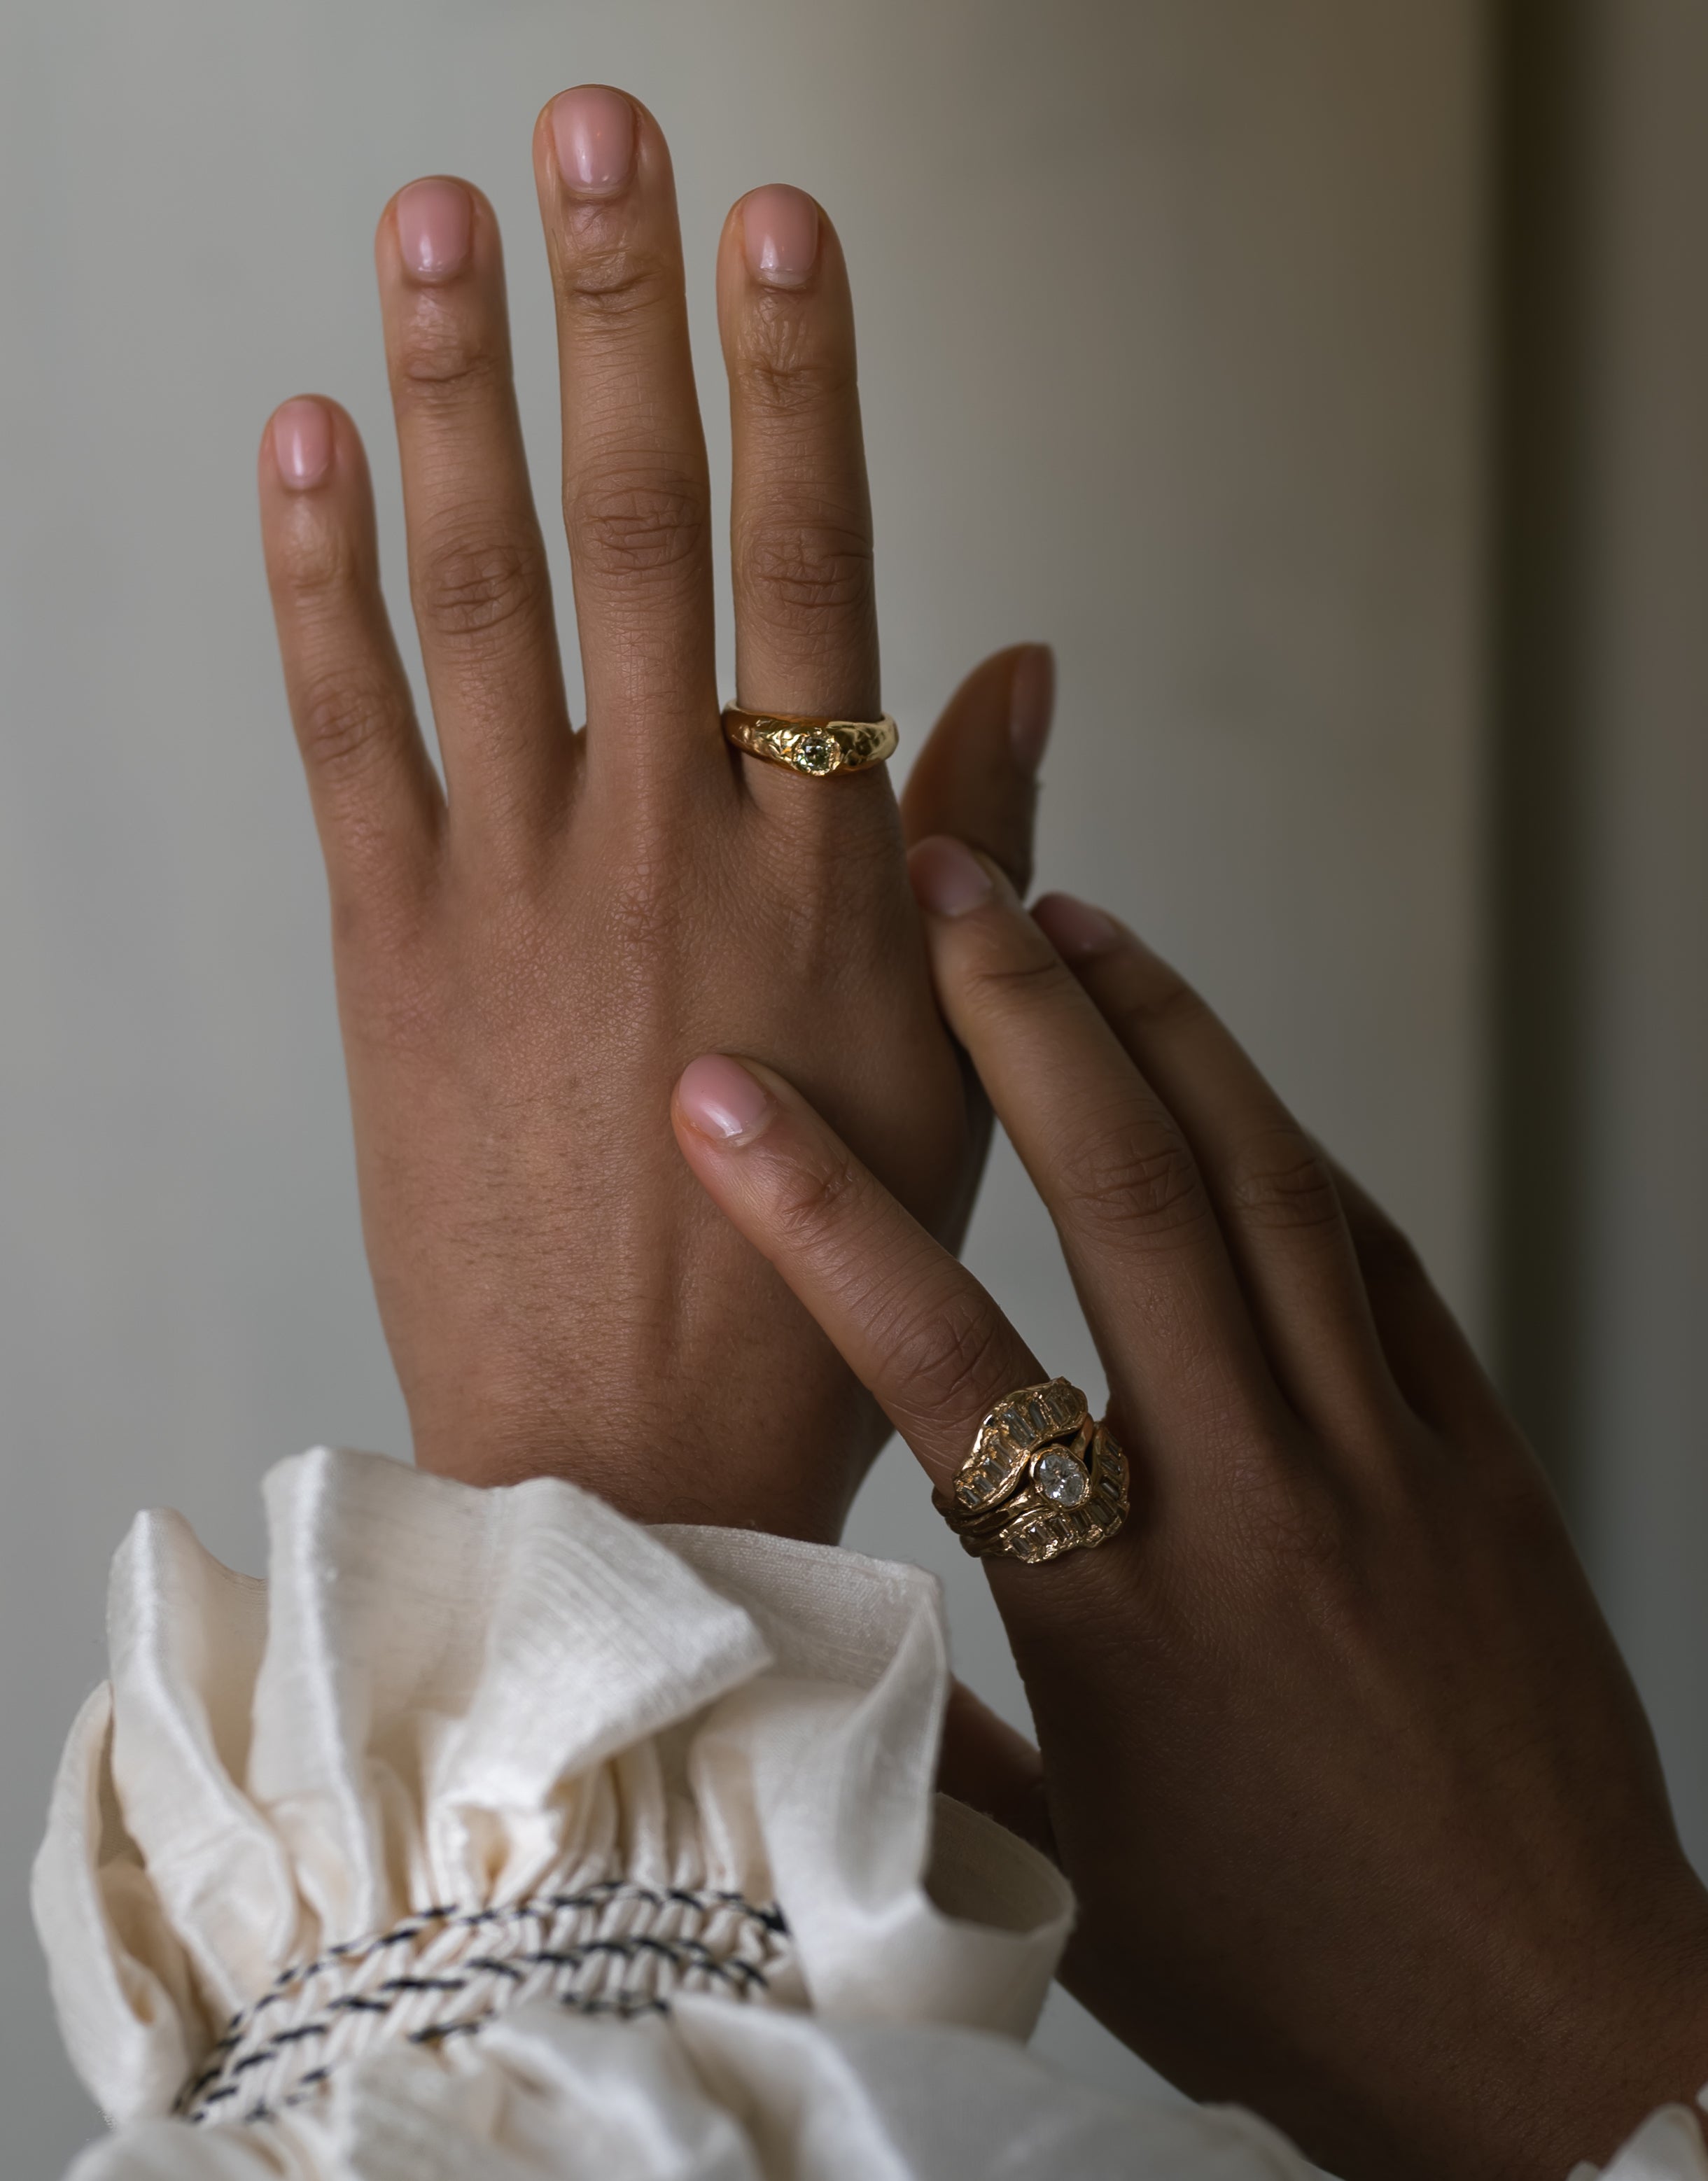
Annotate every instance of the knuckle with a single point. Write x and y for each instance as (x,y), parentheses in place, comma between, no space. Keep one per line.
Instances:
(610,281)
(1281,1179)
(343,718)
(998,986)
(473,586)
(810,1201)
(802,574)
(1156,1002)
(784,383)
(320,562)
(441,364)
(627,521)
(947,1364)
(1134,1184)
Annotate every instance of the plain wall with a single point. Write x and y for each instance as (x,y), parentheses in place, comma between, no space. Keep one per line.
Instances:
(1171,319)
(1642,548)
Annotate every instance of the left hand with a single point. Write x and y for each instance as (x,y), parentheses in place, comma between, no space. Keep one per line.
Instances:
(1364,1817)
(527,957)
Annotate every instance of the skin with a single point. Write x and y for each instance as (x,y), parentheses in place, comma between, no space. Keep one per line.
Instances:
(1332,1736)
(527,955)
(1333,1742)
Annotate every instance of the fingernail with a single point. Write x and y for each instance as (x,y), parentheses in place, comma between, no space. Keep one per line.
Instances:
(302,443)
(594,132)
(722,1099)
(1074,928)
(1031,705)
(779,226)
(435,228)
(948,878)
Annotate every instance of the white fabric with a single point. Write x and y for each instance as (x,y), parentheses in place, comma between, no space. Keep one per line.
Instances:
(446,1702)
(1667,2147)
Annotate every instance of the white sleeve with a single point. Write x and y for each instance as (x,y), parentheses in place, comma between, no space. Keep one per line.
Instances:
(493,1834)
(1667,2147)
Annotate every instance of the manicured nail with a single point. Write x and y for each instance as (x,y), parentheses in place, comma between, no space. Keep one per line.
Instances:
(1074,928)
(593,130)
(435,228)
(1031,705)
(948,879)
(779,226)
(720,1100)
(302,443)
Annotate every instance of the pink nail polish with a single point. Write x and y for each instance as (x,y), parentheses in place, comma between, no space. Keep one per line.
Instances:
(302,443)
(720,1100)
(593,130)
(1031,705)
(1074,928)
(435,228)
(948,878)
(780,229)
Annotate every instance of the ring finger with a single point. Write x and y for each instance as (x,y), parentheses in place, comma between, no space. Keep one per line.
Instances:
(476,561)
(801,518)
(636,499)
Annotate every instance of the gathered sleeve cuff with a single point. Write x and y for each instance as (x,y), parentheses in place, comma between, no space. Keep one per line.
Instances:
(464,1749)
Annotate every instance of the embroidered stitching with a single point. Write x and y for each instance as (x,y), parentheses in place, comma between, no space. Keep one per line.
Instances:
(665,1940)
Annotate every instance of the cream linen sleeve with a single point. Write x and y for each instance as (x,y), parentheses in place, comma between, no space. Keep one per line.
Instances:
(494,1836)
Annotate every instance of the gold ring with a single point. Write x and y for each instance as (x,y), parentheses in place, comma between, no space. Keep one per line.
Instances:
(1042,1479)
(806,744)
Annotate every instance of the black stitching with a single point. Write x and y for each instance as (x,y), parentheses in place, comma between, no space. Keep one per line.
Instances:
(689,1956)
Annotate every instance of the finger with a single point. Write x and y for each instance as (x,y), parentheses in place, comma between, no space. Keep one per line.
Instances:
(476,561)
(377,802)
(1114,1166)
(988,1766)
(913,1325)
(976,777)
(635,496)
(1434,1364)
(800,515)
(1273,1190)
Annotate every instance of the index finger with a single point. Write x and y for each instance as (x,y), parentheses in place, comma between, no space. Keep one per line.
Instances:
(913,1325)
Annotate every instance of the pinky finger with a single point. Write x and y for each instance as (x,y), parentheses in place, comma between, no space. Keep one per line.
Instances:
(377,805)
(914,1326)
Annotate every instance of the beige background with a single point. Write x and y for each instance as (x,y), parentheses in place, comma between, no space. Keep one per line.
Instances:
(1172,338)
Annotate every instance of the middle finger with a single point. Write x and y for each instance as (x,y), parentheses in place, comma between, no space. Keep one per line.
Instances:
(636,499)
(1110,1161)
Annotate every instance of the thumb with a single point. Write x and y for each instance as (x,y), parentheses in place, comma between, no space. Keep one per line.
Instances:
(986,1764)
(976,776)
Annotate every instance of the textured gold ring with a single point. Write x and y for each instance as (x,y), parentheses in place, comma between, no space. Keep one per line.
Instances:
(1042,1479)
(806,744)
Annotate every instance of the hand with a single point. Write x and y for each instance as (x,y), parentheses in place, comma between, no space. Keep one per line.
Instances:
(1365,1819)
(527,957)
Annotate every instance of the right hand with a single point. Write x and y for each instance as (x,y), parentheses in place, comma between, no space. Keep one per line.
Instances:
(1364,1817)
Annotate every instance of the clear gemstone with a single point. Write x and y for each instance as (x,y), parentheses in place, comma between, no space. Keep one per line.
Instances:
(817,753)
(1059,1477)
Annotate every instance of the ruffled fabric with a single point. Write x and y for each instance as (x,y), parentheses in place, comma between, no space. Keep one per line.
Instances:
(493,1835)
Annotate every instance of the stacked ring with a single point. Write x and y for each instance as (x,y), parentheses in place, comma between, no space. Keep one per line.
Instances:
(1042,1479)
(806,744)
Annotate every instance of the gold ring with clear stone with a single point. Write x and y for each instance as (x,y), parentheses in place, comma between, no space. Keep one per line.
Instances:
(1042,1479)
(807,743)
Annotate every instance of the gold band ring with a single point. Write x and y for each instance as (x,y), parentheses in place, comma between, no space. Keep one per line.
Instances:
(1042,1479)
(807,743)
